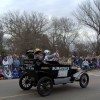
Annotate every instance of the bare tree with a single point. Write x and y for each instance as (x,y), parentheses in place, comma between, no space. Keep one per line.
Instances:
(63,33)
(1,37)
(24,29)
(82,49)
(54,32)
(88,14)
(27,32)
(69,31)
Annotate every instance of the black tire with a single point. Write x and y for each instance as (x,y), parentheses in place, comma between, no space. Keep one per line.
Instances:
(84,80)
(25,82)
(42,86)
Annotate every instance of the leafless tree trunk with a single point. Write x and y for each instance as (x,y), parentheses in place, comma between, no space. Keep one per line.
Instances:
(1,37)
(88,14)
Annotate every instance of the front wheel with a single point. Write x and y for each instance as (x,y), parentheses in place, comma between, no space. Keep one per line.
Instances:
(25,82)
(84,80)
(45,86)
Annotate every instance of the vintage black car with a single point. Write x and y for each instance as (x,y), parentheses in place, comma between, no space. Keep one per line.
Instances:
(44,75)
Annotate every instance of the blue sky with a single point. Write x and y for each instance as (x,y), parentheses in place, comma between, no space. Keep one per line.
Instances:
(57,8)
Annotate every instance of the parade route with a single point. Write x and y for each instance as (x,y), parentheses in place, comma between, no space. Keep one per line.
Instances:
(10,90)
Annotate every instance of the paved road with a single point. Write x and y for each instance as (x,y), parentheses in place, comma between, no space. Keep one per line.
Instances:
(10,90)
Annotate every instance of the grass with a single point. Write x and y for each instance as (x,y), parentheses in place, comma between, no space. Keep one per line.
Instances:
(94,70)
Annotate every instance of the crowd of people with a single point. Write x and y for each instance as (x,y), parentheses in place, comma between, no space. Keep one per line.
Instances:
(85,63)
(11,63)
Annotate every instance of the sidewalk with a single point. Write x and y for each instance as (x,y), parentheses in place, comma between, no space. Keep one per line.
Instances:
(94,72)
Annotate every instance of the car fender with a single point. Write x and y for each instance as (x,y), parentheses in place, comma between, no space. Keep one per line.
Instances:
(78,75)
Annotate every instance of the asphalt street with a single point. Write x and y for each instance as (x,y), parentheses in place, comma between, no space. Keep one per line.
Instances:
(10,90)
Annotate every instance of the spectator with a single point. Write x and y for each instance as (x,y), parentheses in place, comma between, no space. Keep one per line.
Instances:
(69,61)
(77,61)
(21,59)
(1,75)
(5,63)
(16,63)
(98,62)
(73,60)
(6,71)
(0,61)
(85,65)
(94,61)
(80,62)
(10,61)
(15,73)
(91,64)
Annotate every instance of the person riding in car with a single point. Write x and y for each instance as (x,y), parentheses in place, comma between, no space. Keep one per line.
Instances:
(50,57)
(38,54)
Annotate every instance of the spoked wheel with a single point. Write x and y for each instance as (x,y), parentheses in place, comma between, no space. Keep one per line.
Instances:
(25,82)
(84,80)
(45,86)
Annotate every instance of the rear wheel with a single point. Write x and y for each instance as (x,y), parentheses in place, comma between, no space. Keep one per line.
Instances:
(45,86)
(25,82)
(84,80)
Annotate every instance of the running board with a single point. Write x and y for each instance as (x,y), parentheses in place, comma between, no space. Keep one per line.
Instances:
(62,80)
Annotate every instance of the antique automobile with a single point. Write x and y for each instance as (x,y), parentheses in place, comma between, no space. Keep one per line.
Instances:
(45,75)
